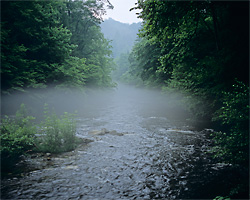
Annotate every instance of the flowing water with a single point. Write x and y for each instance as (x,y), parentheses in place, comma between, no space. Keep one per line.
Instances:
(147,152)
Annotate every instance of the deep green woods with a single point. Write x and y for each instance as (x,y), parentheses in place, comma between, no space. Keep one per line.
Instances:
(53,43)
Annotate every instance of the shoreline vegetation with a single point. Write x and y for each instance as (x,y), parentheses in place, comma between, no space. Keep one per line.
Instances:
(19,135)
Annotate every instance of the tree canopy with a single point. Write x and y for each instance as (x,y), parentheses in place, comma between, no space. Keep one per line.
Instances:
(56,43)
(200,49)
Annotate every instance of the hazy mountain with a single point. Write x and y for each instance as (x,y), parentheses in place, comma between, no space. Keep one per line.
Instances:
(122,35)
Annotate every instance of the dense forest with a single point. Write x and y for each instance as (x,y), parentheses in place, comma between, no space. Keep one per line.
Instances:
(53,43)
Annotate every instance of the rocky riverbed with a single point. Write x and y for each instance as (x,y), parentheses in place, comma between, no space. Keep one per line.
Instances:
(112,165)
(132,150)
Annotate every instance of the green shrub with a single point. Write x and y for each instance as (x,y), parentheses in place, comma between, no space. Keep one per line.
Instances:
(233,144)
(58,134)
(17,136)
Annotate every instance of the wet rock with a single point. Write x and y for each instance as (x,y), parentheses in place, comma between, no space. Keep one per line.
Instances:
(71,167)
(97,132)
(104,131)
(180,131)
(85,140)
(116,133)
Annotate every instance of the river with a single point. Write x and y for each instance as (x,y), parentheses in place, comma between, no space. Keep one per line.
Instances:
(147,152)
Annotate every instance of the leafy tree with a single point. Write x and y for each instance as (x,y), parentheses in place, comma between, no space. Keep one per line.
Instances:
(122,66)
(53,43)
(203,48)
(34,43)
(83,20)
(234,142)
(145,62)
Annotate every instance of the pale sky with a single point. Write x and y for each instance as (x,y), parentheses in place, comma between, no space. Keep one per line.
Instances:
(121,11)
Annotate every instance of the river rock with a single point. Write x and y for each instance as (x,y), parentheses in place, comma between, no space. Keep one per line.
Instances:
(85,140)
(105,131)
(115,133)
(48,154)
(99,132)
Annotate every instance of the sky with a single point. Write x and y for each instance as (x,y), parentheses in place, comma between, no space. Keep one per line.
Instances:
(121,11)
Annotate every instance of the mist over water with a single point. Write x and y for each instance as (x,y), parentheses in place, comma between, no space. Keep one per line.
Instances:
(147,150)
(149,103)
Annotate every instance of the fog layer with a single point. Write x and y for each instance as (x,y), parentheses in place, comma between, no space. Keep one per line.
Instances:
(91,102)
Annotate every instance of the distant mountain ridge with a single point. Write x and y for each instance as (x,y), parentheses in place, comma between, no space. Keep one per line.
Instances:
(122,35)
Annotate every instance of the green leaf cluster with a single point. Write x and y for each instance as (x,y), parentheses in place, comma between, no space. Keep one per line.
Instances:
(233,145)
(17,135)
(57,134)
(53,43)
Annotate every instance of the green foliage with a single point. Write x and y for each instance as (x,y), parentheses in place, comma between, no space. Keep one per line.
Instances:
(222,198)
(121,66)
(17,135)
(197,100)
(116,32)
(71,73)
(35,44)
(58,134)
(145,61)
(199,49)
(199,53)
(93,47)
(53,43)
(234,143)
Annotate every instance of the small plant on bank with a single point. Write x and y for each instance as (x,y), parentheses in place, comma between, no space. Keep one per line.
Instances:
(17,136)
(20,135)
(57,134)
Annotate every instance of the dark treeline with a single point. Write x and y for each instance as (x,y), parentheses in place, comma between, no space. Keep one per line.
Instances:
(200,49)
(53,43)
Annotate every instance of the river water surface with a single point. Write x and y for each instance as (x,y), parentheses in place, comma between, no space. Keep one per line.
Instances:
(147,152)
